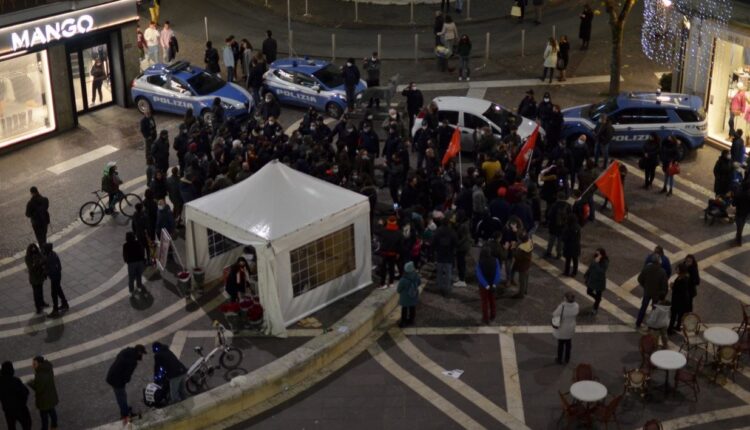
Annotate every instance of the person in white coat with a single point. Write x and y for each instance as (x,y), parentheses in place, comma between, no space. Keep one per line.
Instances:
(564,322)
(449,34)
(550,59)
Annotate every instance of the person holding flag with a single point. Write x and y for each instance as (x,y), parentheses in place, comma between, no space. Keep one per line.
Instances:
(610,184)
(523,159)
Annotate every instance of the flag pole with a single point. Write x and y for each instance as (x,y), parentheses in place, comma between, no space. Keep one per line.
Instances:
(460,172)
(600,176)
(528,165)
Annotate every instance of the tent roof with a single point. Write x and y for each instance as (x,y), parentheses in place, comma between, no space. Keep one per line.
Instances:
(275,201)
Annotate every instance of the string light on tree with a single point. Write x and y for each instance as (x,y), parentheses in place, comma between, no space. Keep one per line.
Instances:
(667,25)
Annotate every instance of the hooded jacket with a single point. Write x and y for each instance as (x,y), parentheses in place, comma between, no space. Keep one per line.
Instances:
(13,394)
(44,388)
(408,286)
(166,359)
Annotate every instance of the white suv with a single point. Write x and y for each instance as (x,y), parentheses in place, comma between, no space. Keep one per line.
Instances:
(471,114)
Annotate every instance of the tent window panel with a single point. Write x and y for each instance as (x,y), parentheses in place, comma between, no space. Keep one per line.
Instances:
(218,244)
(322,260)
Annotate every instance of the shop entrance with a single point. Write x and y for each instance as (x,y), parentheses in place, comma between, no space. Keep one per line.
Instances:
(91,74)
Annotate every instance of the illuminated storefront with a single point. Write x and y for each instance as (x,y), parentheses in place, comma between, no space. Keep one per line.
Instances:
(63,59)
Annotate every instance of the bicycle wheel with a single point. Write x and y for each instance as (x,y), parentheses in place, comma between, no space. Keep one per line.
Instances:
(127,204)
(231,358)
(91,213)
(195,383)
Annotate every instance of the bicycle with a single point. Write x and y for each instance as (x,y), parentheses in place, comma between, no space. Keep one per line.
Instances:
(93,212)
(202,369)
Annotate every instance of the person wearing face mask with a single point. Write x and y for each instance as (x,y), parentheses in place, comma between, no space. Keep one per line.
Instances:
(370,141)
(164,218)
(579,152)
(421,139)
(372,67)
(554,127)
(270,127)
(414,102)
(320,131)
(350,73)
(394,120)
(544,114)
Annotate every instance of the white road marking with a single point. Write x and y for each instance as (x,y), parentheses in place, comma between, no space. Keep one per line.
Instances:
(676,191)
(443,86)
(82,159)
(689,184)
(476,92)
(511,376)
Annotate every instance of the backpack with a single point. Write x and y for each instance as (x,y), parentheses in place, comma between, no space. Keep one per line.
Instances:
(561,214)
(106,184)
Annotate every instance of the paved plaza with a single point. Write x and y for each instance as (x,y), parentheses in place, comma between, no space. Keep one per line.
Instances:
(395,378)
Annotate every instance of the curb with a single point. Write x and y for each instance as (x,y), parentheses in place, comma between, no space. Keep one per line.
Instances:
(246,391)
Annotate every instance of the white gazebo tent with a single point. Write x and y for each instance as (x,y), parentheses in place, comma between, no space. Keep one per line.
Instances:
(311,239)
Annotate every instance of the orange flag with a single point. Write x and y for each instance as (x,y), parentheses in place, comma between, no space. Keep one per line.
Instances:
(610,184)
(454,148)
(522,159)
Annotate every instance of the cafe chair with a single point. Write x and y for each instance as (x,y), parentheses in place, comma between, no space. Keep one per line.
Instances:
(692,329)
(647,345)
(653,425)
(743,344)
(745,324)
(584,372)
(571,412)
(690,378)
(608,413)
(636,382)
(727,358)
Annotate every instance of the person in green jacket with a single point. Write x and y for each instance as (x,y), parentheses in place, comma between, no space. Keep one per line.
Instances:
(596,277)
(408,294)
(45,392)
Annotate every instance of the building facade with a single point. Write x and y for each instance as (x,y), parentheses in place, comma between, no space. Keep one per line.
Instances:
(61,59)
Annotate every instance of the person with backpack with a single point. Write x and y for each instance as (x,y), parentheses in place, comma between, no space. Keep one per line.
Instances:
(489,275)
(557,217)
(596,278)
(408,294)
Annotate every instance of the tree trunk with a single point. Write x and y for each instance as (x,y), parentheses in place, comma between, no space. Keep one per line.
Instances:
(615,67)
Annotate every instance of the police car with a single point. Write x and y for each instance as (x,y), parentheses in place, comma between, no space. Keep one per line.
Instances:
(176,87)
(306,82)
(635,116)
(471,114)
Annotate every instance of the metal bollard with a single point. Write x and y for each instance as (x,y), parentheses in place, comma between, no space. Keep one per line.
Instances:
(523,41)
(307,12)
(379,40)
(205,23)
(333,47)
(356,11)
(411,13)
(267,3)
(554,33)
(291,38)
(487,48)
(416,45)
(468,10)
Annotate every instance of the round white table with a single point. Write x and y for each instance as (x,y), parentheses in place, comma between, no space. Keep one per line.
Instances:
(721,336)
(668,360)
(588,391)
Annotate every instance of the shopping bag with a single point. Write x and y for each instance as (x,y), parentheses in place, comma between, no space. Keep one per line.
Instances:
(515,11)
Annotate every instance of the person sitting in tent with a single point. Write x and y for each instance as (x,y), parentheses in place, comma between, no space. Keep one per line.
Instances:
(238,279)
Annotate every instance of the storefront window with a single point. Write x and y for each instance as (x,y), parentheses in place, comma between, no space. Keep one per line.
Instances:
(729,101)
(25,98)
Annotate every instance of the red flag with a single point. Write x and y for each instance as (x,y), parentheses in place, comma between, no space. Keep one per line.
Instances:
(522,159)
(610,184)
(454,147)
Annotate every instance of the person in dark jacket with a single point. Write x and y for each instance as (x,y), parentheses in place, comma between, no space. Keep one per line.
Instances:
(173,369)
(544,114)
(211,59)
(13,397)
(45,392)
(603,134)
(695,278)
(238,279)
(269,48)
(489,275)
(414,101)
(134,255)
(119,375)
(584,30)
(522,255)
(164,219)
(159,185)
(668,155)
(680,298)
(54,273)
(350,74)
(571,238)
(37,210)
(596,277)
(444,243)
(742,203)
(653,279)
(557,218)
(723,172)
(563,56)
(173,191)
(408,294)
(651,150)
(391,243)
(35,264)
(527,107)
(255,77)
(437,26)
(737,151)
(160,151)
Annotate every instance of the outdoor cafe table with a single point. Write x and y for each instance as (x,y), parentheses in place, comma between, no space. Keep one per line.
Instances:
(667,360)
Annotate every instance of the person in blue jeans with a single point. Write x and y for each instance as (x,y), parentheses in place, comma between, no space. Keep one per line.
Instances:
(668,155)
(653,279)
(119,375)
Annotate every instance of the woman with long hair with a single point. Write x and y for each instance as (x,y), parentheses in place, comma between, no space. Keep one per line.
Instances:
(550,59)
(563,57)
